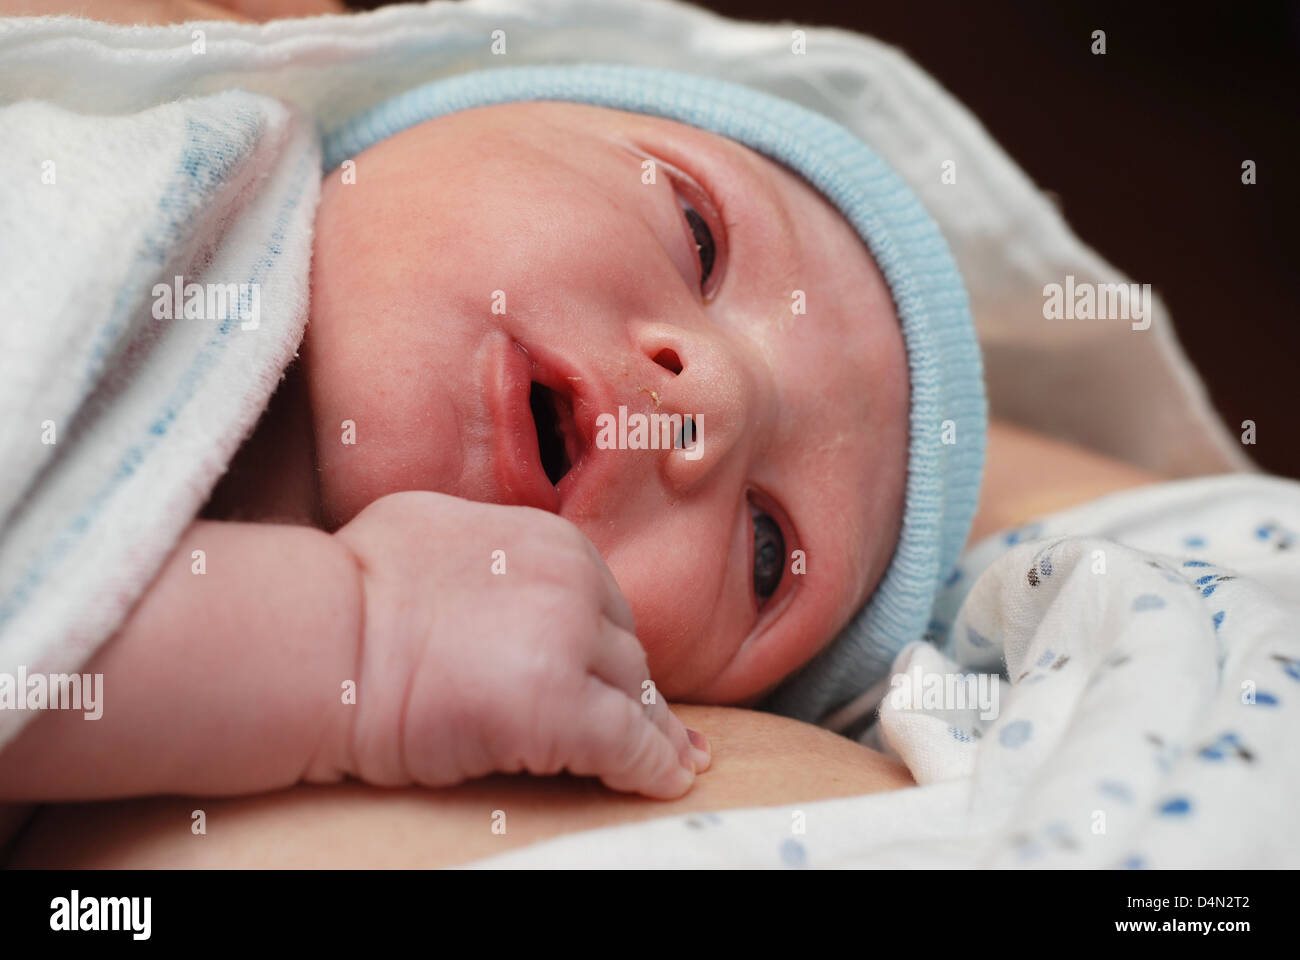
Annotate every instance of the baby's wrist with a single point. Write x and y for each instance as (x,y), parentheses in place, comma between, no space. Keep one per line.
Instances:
(334,756)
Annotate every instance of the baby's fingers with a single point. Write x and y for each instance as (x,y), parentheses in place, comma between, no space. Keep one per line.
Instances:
(612,737)
(621,663)
(613,604)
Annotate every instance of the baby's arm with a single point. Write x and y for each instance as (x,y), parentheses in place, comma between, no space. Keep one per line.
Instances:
(225,682)
(233,681)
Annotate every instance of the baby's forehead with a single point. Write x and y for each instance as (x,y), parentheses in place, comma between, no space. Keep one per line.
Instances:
(535,120)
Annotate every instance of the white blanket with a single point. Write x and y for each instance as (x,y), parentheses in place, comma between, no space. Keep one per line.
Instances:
(1149,719)
(120,402)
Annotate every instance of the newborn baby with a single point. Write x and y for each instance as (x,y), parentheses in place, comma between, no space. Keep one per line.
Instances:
(499,580)
(673,296)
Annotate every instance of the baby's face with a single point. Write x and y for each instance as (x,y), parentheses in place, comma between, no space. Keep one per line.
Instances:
(519,250)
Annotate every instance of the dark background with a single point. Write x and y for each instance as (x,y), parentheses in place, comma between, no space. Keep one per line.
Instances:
(1143,147)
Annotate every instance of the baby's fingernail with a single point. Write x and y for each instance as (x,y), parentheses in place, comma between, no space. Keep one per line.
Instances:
(698,740)
(703,756)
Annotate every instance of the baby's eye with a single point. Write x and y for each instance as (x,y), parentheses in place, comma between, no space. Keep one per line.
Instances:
(769,554)
(704,244)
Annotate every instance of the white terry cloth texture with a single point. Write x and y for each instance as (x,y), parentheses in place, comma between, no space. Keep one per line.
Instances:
(1148,721)
(114,425)
(122,111)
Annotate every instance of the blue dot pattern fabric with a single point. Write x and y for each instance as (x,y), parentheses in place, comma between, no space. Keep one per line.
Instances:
(1150,647)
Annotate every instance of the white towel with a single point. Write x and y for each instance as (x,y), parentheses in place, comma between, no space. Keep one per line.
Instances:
(114,425)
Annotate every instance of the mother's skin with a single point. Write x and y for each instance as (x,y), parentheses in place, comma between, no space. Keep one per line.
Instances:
(758,759)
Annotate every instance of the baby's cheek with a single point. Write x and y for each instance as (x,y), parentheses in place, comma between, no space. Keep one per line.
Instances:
(687,635)
(667,633)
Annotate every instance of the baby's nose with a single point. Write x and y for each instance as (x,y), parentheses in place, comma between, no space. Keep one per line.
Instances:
(698,378)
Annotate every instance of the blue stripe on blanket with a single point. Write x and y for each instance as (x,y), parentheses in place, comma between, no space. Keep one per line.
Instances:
(198,176)
(198,156)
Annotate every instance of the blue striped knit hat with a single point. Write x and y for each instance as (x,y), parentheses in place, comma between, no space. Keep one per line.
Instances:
(943,356)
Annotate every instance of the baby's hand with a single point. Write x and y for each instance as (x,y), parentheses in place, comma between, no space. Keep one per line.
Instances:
(496,639)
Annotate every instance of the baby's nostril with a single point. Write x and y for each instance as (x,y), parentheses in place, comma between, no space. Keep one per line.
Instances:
(669,360)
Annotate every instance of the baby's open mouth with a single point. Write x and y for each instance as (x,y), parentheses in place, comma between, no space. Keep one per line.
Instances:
(538,406)
(557,439)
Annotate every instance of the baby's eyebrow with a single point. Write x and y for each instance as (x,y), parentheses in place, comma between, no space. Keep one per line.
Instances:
(764,186)
(758,184)
(641,155)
